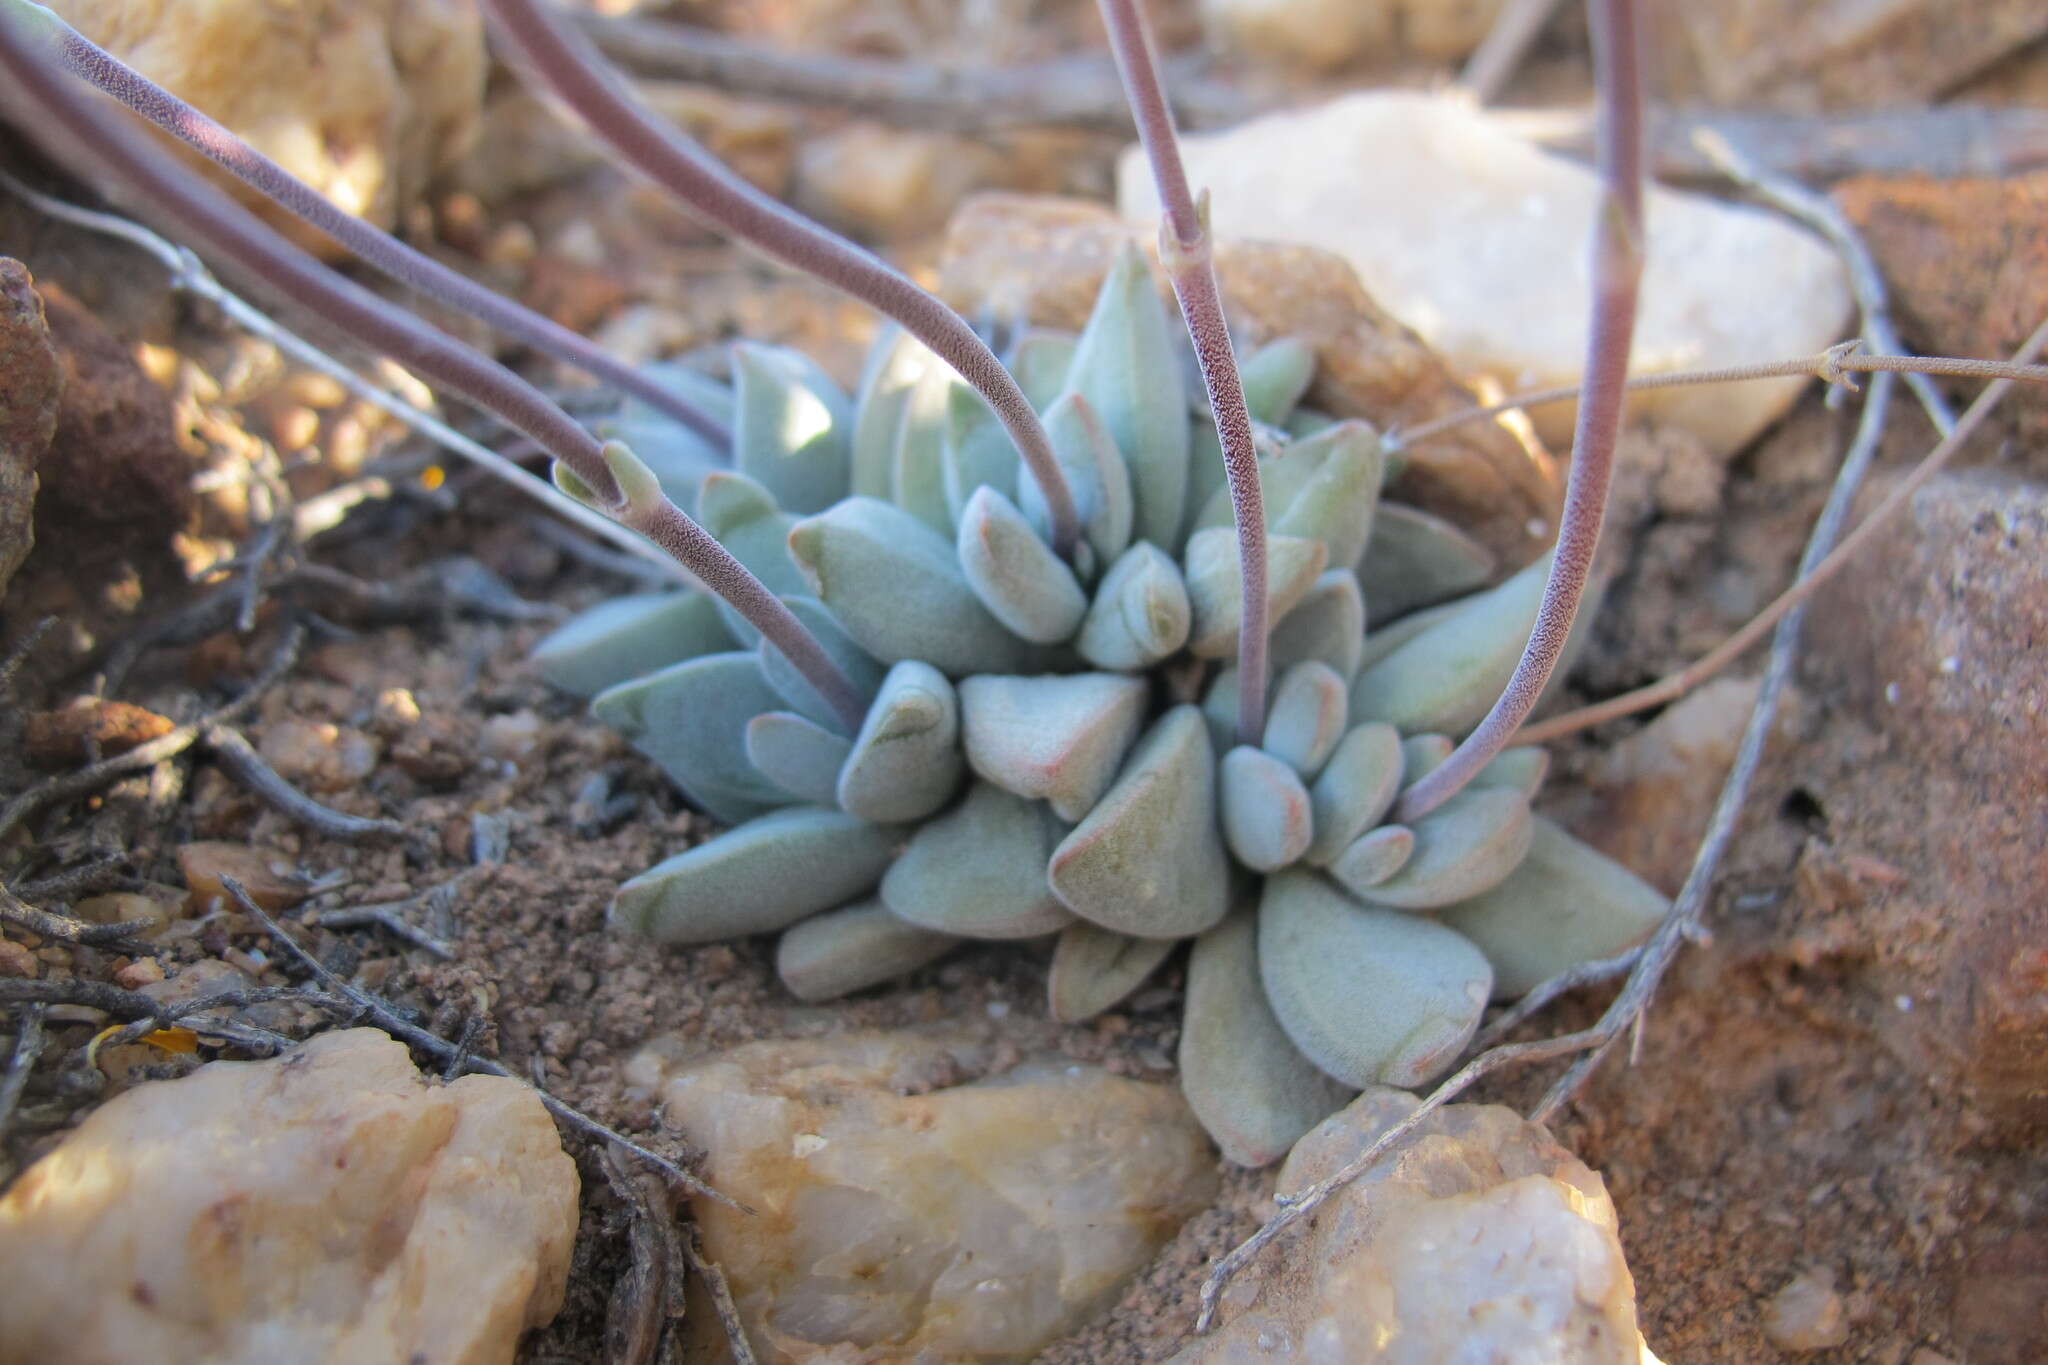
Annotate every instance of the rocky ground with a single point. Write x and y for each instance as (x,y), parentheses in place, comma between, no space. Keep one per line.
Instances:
(1827,1137)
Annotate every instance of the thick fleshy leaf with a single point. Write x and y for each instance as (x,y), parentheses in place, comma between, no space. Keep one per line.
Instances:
(679,457)
(798,755)
(1216,584)
(742,515)
(708,394)
(848,950)
(1040,361)
(1520,769)
(1328,624)
(1265,809)
(1054,738)
(691,719)
(1207,474)
(906,760)
(1447,678)
(857,664)
(1093,969)
(1128,368)
(756,878)
(1423,754)
(1096,475)
(1140,614)
(978,451)
(627,637)
(896,585)
(1015,574)
(979,870)
(917,473)
(1417,560)
(1355,790)
(1373,857)
(1305,717)
(1566,903)
(1324,487)
(1465,846)
(895,364)
(1275,376)
(1148,860)
(1384,640)
(1246,1081)
(1369,995)
(790,427)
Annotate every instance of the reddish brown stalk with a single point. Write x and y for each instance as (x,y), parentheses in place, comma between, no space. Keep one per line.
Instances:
(230,231)
(1617,269)
(565,62)
(1184,249)
(374,248)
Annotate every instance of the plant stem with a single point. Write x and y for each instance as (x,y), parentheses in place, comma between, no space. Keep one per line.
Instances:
(374,248)
(1617,270)
(231,231)
(564,61)
(1184,249)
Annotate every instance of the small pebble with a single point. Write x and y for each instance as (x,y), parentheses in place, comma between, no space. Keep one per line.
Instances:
(511,737)
(318,755)
(144,971)
(16,960)
(1807,1314)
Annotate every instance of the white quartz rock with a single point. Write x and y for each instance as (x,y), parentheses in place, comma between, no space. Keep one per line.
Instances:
(904,1216)
(329,1206)
(1480,1239)
(1479,241)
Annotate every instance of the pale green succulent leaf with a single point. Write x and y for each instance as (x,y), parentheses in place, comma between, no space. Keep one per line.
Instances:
(917,472)
(1467,845)
(1096,475)
(1053,738)
(853,948)
(798,755)
(1418,560)
(758,877)
(1015,574)
(1355,790)
(1148,859)
(979,870)
(1248,1084)
(1447,677)
(626,637)
(691,719)
(1216,585)
(905,763)
(1306,716)
(1422,755)
(977,452)
(1040,361)
(1094,969)
(1373,857)
(856,664)
(790,427)
(1368,995)
(1266,819)
(1140,614)
(1519,769)
(1327,625)
(1275,376)
(896,364)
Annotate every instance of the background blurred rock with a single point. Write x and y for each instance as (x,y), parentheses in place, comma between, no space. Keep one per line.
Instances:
(28,409)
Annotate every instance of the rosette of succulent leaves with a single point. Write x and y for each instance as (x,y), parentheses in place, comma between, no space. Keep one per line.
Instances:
(1050,748)
(965,673)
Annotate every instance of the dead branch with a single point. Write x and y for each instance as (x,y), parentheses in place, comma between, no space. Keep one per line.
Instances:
(647,1302)
(239,759)
(728,1312)
(28,1047)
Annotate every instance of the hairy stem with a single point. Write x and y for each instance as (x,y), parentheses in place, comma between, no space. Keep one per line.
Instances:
(1184,249)
(1617,270)
(563,60)
(374,248)
(230,231)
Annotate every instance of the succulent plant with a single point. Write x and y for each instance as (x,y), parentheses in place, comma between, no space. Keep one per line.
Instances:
(1049,746)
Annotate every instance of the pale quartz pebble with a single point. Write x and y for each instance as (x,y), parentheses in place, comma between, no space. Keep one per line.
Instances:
(1807,1314)
(330,1206)
(1127,366)
(318,755)
(979,869)
(1373,857)
(1246,1081)
(1417,560)
(1216,586)
(1265,809)
(1327,625)
(1477,239)
(1055,738)
(789,429)
(1148,859)
(1015,574)
(1423,754)
(1367,994)
(905,763)
(1565,903)
(1467,845)
(798,755)
(1140,614)
(1305,717)
(1355,790)
(903,1215)
(896,586)
(627,637)
(850,949)
(756,878)
(1093,969)
(1315,35)
(1480,1239)
(509,737)
(266,876)
(1448,676)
